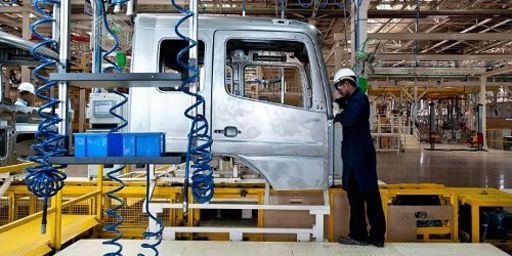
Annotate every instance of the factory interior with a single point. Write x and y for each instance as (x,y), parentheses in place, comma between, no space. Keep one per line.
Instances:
(247,127)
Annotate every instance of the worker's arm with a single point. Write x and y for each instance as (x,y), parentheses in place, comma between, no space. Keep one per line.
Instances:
(352,112)
(342,102)
(339,104)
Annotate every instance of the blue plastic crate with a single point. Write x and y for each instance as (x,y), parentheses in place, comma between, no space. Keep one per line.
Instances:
(115,144)
(91,144)
(98,144)
(143,144)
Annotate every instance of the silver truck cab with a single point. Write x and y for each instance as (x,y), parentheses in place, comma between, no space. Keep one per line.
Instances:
(268,100)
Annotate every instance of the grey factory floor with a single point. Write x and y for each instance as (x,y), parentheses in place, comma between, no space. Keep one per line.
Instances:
(452,168)
(221,248)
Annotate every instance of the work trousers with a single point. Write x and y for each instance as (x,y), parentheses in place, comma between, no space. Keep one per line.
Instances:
(358,226)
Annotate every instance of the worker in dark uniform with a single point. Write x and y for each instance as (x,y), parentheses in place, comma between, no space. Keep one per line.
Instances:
(359,163)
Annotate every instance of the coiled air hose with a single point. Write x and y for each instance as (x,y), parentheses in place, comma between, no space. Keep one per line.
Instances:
(199,139)
(45,180)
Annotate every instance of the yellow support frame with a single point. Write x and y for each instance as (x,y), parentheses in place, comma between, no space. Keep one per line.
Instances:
(95,190)
(481,197)
(16,167)
(429,189)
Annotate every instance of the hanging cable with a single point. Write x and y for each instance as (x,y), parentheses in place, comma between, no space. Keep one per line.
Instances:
(152,234)
(45,180)
(112,211)
(199,140)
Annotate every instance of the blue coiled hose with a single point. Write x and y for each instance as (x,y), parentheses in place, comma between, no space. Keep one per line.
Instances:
(199,140)
(112,211)
(149,234)
(45,180)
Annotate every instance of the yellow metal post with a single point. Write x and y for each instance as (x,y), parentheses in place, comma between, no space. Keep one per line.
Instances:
(190,217)
(32,205)
(261,200)
(11,206)
(475,223)
(99,197)
(56,228)
(127,169)
(455,221)
(330,218)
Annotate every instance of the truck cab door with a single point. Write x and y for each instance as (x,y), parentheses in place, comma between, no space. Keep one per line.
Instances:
(269,106)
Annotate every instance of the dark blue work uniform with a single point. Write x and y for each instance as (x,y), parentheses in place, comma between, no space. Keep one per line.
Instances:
(360,168)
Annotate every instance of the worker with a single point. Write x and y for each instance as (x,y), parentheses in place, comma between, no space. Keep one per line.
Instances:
(26,93)
(359,163)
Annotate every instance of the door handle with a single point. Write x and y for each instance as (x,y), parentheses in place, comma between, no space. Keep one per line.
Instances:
(229,131)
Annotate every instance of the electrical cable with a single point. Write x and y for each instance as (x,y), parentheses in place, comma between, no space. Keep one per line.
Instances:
(45,180)
(199,139)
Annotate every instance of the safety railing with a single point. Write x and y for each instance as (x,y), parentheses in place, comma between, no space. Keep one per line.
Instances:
(55,224)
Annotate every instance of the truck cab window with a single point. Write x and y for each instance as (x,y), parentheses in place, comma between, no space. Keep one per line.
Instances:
(169,50)
(278,84)
(272,71)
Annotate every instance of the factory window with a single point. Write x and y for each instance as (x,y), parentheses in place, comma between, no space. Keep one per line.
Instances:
(169,50)
(268,70)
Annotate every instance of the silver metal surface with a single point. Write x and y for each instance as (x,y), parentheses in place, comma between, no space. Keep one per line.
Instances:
(288,145)
(65,12)
(115,160)
(20,43)
(119,80)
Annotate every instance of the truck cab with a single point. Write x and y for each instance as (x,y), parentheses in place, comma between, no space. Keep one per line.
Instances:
(268,99)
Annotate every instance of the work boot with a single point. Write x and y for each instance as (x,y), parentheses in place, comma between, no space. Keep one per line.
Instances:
(377,242)
(350,241)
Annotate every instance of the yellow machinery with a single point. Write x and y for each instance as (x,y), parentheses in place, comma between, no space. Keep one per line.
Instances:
(77,211)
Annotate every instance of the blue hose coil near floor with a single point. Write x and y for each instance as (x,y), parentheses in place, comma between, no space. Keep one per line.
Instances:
(45,180)
(199,139)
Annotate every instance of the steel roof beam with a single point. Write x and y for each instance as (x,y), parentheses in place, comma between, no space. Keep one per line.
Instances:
(428,71)
(446,57)
(442,36)
(411,14)
(434,83)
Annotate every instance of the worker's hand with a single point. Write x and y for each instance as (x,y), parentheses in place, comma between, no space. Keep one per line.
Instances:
(342,102)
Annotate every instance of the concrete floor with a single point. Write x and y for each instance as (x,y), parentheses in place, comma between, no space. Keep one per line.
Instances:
(452,168)
(217,248)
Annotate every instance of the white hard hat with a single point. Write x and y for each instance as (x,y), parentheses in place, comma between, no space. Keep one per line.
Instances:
(345,73)
(26,87)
